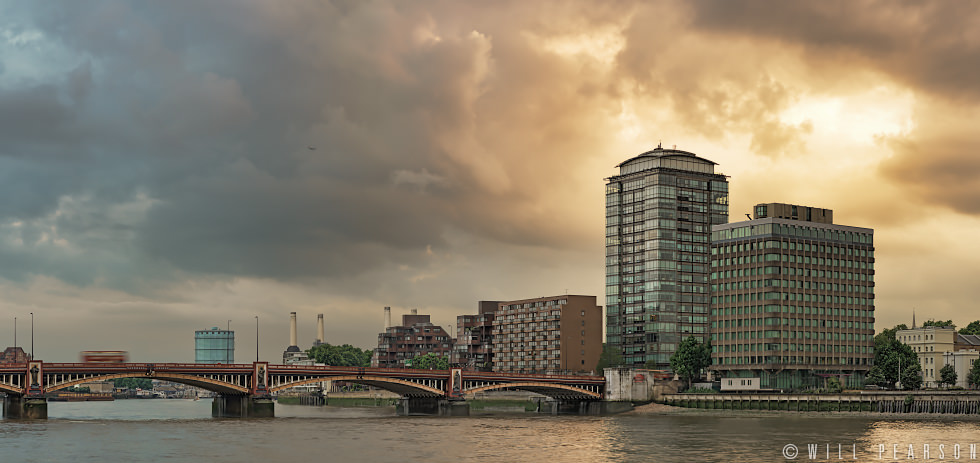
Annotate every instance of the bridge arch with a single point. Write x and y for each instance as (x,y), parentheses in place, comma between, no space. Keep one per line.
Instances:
(209,384)
(10,389)
(398,386)
(548,389)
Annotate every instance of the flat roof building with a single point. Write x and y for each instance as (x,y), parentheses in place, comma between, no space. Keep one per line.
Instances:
(938,346)
(552,335)
(474,338)
(659,213)
(214,346)
(792,299)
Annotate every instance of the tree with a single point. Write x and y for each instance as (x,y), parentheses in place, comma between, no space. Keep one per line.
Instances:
(430,361)
(972,328)
(947,375)
(939,324)
(973,377)
(890,357)
(690,358)
(912,377)
(608,358)
(342,356)
(834,385)
(133,383)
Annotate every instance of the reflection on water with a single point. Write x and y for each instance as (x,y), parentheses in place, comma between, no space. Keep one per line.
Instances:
(183,430)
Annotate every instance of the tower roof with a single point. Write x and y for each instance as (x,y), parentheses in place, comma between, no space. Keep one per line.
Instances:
(660,152)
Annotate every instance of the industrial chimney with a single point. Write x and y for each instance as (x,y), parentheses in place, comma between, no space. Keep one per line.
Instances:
(387,318)
(319,328)
(292,329)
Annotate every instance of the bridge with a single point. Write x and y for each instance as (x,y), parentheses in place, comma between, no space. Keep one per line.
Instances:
(246,390)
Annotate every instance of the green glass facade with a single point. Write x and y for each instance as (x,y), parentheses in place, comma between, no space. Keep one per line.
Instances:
(214,346)
(792,302)
(659,213)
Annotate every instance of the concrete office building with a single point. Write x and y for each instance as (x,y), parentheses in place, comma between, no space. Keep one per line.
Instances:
(552,335)
(415,337)
(214,346)
(792,298)
(659,213)
(474,338)
(938,346)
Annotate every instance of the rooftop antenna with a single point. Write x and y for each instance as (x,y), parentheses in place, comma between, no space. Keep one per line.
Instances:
(749,216)
(913,318)
(658,144)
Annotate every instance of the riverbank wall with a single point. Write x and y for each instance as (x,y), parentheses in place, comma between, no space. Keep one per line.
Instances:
(928,402)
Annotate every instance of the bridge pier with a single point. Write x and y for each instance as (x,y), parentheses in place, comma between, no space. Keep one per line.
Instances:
(241,406)
(431,406)
(17,407)
(583,407)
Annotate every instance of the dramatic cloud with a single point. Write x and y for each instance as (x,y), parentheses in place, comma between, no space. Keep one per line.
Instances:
(178,164)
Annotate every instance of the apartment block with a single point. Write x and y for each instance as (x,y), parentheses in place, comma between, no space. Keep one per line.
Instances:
(551,335)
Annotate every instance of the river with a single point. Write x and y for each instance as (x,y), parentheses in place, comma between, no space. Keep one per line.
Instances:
(184,431)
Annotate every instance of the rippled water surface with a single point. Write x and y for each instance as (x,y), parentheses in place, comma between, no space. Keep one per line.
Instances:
(183,431)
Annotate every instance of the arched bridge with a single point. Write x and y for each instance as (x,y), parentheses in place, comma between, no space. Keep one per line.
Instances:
(260,379)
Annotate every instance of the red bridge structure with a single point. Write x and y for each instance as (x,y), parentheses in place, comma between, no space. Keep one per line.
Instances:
(246,390)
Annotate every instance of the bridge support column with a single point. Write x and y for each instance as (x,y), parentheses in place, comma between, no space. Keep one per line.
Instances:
(232,406)
(583,407)
(431,406)
(16,407)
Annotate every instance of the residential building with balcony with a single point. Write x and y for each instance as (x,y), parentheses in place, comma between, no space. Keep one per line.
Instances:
(416,336)
(551,335)
(474,338)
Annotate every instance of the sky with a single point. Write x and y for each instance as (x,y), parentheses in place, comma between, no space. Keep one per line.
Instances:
(167,167)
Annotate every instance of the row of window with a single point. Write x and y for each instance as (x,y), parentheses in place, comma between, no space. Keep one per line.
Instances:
(792,271)
(789,334)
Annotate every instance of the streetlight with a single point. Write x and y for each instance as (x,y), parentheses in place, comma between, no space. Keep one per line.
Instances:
(256,338)
(32,335)
(15,332)
(231,347)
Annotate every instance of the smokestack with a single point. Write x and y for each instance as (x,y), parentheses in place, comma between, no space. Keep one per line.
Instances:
(292,329)
(319,328)
(387,318)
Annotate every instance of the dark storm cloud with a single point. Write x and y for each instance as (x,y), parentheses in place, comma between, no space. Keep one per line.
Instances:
(932,46)
(289,141)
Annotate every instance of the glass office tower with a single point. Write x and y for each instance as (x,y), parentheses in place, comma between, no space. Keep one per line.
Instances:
(659,213)
(214,346)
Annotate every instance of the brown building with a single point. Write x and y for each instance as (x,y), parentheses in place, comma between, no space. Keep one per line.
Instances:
(416,336)
(474,338)
(557,334)
(14,355)
(792,300)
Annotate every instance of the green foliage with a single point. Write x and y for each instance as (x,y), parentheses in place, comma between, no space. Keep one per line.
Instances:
(891,356)
(938,323)
(912,377)
(973,377)
(80,389)
(430,361)
(701,390)
(608,358)
(947,375)
(972,328)
(341,356)
(909,400)
(834,385)
(133,383)
(690,358)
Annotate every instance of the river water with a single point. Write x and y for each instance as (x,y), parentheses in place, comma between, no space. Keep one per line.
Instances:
(184,431)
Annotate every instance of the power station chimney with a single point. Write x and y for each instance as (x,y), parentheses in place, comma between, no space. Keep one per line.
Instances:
(292,329)
(387,318)
(319,328)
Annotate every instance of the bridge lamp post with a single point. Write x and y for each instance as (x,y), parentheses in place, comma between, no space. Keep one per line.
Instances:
(256,338)
(32,335)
